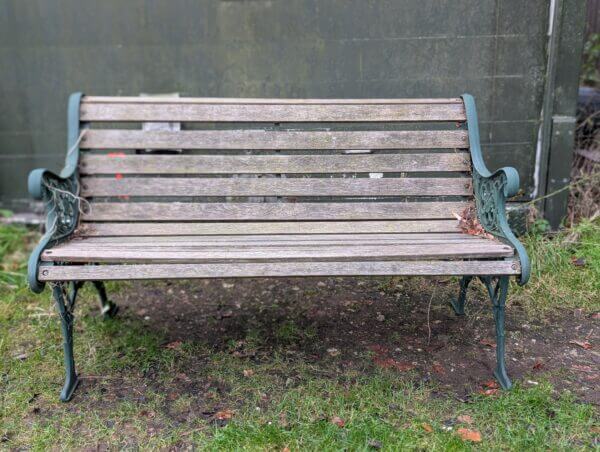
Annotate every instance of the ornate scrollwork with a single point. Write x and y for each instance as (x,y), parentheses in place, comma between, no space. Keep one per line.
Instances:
(488,197)
(491,191)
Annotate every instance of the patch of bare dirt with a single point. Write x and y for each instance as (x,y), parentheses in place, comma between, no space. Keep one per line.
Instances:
(369,323)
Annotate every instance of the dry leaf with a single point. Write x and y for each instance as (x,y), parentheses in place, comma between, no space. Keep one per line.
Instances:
(248,372)
(337,421)
(469,435)
(583,344)
(489,392)
(428,428)
(538,365)
(465,419)
(490,384)
(224,415)
(333,351)
(488,342)
(174,345)
(285,449)
(438,369)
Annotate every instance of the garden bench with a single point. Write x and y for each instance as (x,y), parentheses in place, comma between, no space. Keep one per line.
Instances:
(273,188)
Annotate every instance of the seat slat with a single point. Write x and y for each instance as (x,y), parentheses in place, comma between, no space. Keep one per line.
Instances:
(148,186)
(264,228)
(263,164)
(180,211)
(209,112)
(265,140)
(276,238)
(87,100)
(70,252)
(277,269)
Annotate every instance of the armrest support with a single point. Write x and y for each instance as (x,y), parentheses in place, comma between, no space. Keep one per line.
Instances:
(60,194)
(491,191)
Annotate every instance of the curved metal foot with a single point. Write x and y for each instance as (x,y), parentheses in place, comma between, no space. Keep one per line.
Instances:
(65,304)
(459,304)
(108,309)
(498,293)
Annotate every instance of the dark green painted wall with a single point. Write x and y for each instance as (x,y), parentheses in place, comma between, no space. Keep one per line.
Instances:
(494,49)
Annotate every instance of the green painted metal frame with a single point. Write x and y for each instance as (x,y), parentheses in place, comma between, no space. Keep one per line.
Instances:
(60,194)
(62,207)
(492,190)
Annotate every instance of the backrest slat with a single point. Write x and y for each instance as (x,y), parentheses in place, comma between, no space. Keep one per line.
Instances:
(269,140)
(250,161)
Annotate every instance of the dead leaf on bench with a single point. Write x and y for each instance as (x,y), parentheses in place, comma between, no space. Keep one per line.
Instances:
(469,223)
(469,435)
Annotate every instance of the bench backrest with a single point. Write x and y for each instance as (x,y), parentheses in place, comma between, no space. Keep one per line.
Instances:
(273,166)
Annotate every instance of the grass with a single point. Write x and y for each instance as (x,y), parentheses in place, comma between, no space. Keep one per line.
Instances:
(274,402)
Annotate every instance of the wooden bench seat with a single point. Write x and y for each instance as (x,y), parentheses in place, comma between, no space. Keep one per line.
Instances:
(270,187)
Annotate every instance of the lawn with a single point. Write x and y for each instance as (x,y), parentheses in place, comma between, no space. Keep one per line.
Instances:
(317,364)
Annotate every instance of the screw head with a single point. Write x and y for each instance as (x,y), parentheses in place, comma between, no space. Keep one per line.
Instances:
(45,272)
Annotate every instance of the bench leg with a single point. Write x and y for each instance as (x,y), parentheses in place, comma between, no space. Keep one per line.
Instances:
(65,302)
(498,291)
(108,308)
(459,304)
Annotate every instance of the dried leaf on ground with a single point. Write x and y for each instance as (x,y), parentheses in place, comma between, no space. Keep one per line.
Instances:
(488,342)
(428,428)
(465,419)
(248,372)
(469,435)
(490,384)
(224,415)
(174,345)
(337,421)
(583,344)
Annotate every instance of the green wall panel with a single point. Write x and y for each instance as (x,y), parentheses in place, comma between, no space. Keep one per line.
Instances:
(494,49)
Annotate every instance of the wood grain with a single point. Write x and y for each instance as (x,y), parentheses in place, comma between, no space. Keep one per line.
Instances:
(264,228)
(180,211)
(194,186)
(265,140)
(72,252)
(209,112)
(279,269)
(122,163)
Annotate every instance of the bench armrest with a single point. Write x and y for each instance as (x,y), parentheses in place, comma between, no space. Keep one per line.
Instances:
(60,194)
(491,191)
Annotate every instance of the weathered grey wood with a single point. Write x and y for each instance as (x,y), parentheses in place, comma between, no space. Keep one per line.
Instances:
(207,112)
(266,228)
(180,211)
(259,139)
(122,163)
(279,238)
(193,186)
(70,252)
(277,269)
(246,100)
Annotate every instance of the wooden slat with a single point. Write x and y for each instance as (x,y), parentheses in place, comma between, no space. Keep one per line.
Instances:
(279,269)
(87,100)
(71,252)
(276,238)
(304,227)
(208,112)
(258,139)
(308,241)
(178,211)
(263,164)
(155,186)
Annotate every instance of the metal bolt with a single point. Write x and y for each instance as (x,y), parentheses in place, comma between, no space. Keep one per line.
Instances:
(513,266)
(45,272)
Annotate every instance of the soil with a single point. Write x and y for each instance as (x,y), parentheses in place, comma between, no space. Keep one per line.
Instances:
(362,323)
